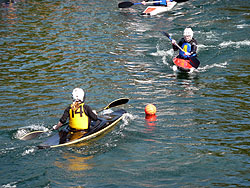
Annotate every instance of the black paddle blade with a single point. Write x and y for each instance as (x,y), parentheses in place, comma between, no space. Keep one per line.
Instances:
(117,103)
(125,4)
(194,62)
(180,1)
(31,135)
(165,33)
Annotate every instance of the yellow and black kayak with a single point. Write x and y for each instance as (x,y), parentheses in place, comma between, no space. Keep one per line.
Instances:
(67,137)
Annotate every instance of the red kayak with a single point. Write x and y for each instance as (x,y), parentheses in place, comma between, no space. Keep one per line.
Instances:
(182,64)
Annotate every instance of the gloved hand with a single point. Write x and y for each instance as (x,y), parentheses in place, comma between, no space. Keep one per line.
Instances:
(187,53)
(55,127)
(173,41)
(94,112)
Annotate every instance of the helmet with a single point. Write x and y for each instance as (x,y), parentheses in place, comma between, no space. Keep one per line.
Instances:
(78,95)
(188,32)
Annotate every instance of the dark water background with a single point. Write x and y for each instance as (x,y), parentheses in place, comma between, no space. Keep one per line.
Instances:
(201,135)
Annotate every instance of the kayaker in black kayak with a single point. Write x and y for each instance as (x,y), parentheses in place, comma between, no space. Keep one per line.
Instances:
(187,43)
(79,114)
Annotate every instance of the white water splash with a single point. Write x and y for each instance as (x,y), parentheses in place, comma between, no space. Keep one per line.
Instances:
(6,150)
(20,133)
(23,131)
(107,111)
(175,68)
(28,151)
(144,81)
(126,118)
(237,44)
(159,52)
(10,185)
(207,67)
(242,26)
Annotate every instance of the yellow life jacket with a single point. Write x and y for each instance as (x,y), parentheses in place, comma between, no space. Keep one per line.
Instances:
(78,119)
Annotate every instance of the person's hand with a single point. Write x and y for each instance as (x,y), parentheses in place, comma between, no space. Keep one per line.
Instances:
(94,112)
(55,127)
(187,53)
(143,3)
(173,41)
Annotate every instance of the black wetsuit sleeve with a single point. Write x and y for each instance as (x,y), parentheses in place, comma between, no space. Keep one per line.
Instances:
(88,111)
(193,46)
(65,115)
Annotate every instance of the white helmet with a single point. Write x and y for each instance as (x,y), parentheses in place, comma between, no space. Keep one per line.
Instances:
(78,95)
(188,32)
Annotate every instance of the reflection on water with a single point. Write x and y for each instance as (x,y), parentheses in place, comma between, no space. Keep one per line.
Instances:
(150,122)
(74,162)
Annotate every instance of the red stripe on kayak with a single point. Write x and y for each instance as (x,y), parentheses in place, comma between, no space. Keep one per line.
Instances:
(148,10)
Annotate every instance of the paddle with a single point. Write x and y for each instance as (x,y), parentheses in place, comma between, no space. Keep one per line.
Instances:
(193,60)
(116,102)
(128,4)
(180,1)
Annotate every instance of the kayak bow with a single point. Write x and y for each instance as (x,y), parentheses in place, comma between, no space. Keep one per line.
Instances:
(154,10)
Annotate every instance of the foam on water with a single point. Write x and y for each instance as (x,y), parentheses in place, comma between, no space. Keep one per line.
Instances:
(10,185)
(207,67)
(126,118)
(28,151)
(237,44)
(25,130)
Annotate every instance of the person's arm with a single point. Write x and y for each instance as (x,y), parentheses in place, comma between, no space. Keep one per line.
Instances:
(63,119)
(174,46)
(89,112)
(193,47)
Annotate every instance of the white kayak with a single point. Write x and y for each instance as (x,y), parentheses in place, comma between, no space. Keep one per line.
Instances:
(154,10)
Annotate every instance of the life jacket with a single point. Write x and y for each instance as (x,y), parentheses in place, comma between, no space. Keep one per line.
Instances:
(78,119)
(162,3)
(186,48)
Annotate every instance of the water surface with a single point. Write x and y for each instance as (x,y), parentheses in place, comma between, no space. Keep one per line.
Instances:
(200,137)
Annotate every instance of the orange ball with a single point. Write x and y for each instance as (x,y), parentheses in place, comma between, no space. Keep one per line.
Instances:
(150,109)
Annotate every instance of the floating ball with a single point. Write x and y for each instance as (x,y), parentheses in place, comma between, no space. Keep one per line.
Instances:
(150,109)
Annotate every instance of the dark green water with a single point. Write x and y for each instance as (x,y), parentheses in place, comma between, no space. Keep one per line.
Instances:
(201,135)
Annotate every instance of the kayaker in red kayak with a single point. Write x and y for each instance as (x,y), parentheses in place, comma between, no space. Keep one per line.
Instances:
(187,43)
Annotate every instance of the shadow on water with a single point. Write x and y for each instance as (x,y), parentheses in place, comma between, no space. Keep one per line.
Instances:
(186,76)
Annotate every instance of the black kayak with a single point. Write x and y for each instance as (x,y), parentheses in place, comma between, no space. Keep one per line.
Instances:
(67,137)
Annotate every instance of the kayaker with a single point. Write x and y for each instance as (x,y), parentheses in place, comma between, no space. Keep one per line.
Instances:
(79,114)
(187,43)
(162,3)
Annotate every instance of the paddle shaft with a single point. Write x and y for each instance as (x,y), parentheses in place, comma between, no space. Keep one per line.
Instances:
(149,2)
(128,4)
(166,34)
